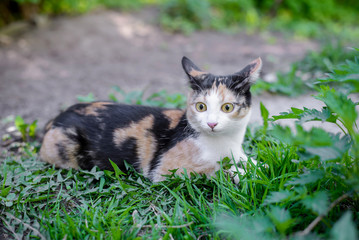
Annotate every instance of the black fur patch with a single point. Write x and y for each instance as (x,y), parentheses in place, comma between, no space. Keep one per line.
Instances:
(168,140)
(95,134)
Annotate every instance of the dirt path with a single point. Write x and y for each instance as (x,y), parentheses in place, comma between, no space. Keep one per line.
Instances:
(44,70)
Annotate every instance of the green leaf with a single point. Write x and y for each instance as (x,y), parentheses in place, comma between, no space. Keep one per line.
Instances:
(340,104)
(32,129)
(306,178)
(5,191)
(315,137)
(344,75)
(11,197)
(112,97)
(265,114)
(344,228)
(245,227)
(21,126)
(117,170)
(281,218)
(318,203)
(307,115)
(277,197)
(293,114)
(88,98)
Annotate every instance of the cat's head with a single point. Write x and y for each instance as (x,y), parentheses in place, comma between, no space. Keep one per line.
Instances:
(219,104)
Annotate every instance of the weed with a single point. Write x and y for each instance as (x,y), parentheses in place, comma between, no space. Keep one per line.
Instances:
(158,99)
(88,98)
(27,130)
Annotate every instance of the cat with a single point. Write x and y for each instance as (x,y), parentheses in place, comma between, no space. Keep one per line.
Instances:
(155,140)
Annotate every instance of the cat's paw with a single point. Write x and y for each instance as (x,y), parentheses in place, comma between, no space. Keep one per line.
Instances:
(235,172)
(235,179)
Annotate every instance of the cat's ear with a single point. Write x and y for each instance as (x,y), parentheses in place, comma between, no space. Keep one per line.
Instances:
(243,79)
(193,72)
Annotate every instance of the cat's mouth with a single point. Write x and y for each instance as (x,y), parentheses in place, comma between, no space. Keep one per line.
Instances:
(212,131)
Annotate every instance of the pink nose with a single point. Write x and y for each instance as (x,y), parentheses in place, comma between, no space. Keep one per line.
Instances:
(212,125)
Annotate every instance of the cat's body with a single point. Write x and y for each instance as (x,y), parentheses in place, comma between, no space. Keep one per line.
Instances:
(156,140)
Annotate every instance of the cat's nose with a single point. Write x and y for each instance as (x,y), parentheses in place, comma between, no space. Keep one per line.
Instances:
(212,125)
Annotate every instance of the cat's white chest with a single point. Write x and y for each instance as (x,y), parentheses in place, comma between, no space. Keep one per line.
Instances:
(214,149)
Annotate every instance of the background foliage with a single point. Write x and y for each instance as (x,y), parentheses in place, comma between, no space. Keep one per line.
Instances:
(302,17)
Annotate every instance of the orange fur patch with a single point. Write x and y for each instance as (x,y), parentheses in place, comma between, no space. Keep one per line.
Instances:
(174,116)
(184,155)
(146,142)
(196,73)
(50,151)
(48,125)
(241,113)
(92,108)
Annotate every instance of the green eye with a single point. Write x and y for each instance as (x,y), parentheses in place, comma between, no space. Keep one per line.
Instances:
(227,107)
(201,107)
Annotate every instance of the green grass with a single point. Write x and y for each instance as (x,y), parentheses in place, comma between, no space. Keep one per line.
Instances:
(305,185)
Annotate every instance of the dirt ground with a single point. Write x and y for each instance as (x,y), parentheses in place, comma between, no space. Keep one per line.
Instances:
(44,70)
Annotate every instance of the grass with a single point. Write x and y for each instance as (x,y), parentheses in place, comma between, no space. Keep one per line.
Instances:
(305,185)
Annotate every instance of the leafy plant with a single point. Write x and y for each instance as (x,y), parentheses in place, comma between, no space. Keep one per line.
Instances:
(26,130)
(88,98)
(289,84)
(304,74)
(158,99)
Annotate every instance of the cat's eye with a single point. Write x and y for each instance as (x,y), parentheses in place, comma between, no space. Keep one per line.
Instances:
(201,107)
(227,107)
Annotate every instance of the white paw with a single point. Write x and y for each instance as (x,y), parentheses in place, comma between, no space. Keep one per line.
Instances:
(234,172)
(235,179)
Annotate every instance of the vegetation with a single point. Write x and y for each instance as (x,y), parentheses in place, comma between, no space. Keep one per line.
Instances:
(303,18)
(309,18)
(303,74)
(305,185)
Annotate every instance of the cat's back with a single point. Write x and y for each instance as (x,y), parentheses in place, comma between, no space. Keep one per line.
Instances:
(88,134)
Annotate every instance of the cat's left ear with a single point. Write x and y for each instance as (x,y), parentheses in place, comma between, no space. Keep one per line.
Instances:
(243,79)
(193,72)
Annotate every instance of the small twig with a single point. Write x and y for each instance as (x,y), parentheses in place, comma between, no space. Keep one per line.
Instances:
(320,217)
(11,229)
(27,225)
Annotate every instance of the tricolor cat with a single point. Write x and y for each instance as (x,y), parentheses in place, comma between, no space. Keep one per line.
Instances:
(156,140)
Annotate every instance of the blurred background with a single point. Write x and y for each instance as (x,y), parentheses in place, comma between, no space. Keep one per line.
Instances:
(54,53)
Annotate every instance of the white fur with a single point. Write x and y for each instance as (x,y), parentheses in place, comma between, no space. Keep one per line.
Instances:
(226,138)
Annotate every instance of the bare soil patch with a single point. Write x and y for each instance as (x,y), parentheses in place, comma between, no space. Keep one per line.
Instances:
(44,70)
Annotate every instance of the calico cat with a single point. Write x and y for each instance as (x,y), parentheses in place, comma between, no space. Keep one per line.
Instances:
(156,140)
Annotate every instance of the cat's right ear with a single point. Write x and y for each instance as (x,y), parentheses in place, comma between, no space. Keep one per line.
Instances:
(193,72)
